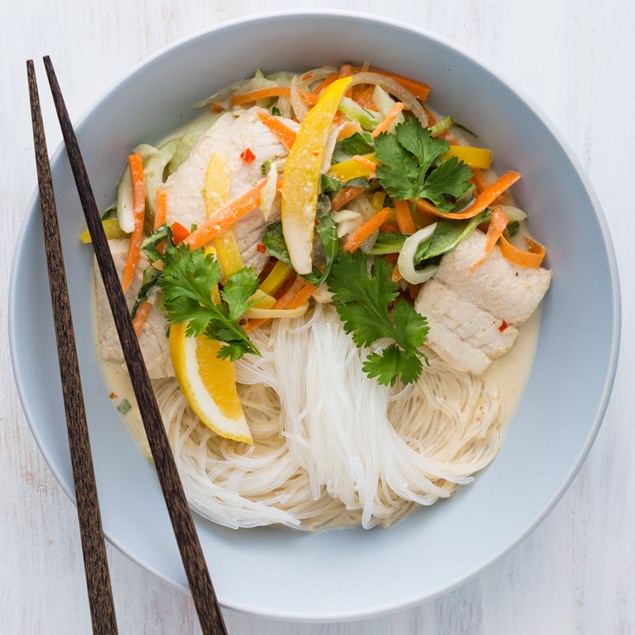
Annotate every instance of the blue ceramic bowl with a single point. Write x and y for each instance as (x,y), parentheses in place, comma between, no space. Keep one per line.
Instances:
(339,574)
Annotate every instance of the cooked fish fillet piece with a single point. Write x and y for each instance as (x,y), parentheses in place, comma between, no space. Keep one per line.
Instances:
(473,317)
(231,134)
(462,333)
(508,292)
(153,339)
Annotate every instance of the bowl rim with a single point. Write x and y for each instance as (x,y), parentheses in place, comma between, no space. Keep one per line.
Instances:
(588,188)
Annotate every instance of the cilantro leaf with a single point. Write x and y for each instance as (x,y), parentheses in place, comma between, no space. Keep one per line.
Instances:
(391,363)
(330,185)
(411,166)
(240,286)
(363,300)
(399,171)
(418,140)
(187,280)
(451,178)
(410,328)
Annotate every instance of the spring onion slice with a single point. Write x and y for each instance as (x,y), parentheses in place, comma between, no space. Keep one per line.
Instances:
(406,262)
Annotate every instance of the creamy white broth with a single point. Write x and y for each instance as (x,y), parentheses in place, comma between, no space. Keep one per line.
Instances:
(507,375)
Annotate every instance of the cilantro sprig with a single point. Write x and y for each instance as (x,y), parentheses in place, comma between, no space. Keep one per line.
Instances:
(363,300)
(411,166)
(186,281)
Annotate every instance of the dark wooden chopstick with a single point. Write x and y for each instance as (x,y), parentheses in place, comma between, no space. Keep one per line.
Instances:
(102,609)
(204,596)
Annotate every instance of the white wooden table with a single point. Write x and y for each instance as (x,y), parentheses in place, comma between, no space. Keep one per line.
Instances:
(576,572)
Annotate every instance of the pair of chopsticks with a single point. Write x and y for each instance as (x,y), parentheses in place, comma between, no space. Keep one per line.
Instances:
(95,562)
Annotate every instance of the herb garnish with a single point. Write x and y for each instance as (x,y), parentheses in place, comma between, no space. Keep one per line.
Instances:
(363,301)
(410,166)
(186,281)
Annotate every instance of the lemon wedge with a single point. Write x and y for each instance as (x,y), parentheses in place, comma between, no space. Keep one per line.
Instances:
(208,383)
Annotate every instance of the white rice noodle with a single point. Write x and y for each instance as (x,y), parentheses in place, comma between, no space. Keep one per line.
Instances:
(332,447)
(393,87)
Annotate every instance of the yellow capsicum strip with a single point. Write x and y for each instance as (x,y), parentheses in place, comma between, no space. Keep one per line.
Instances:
(302,174)
(217,185)
(111,228)
(474,157)
(276,277)
(351,169)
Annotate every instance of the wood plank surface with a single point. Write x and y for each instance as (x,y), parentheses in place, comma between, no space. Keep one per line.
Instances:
(575,574)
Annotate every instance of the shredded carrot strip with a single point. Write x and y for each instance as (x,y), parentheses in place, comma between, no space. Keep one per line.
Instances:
(160,208)
(532,258)
(348,129)
(225,217)
(138,205)
(261,93)
(479,180)
(281,303)
(367,163)
(431,116)
(481,184)
(366,230)
(391,258)
(324,83)
(337,120)
(302,296)
(274,91)
(283,133)
(309,98)
(387,227)
(482,201)
(418,89)
(141,316)
(160,212)
(497,225)
(404,218)
(396,274)
(345,195)
(393,113)
(364,97)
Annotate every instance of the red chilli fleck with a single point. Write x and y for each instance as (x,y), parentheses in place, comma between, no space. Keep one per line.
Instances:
(503,326)
(247,155)
(261,249)
(113,395)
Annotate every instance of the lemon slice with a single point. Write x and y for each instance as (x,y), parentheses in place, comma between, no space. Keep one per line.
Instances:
(208,383)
